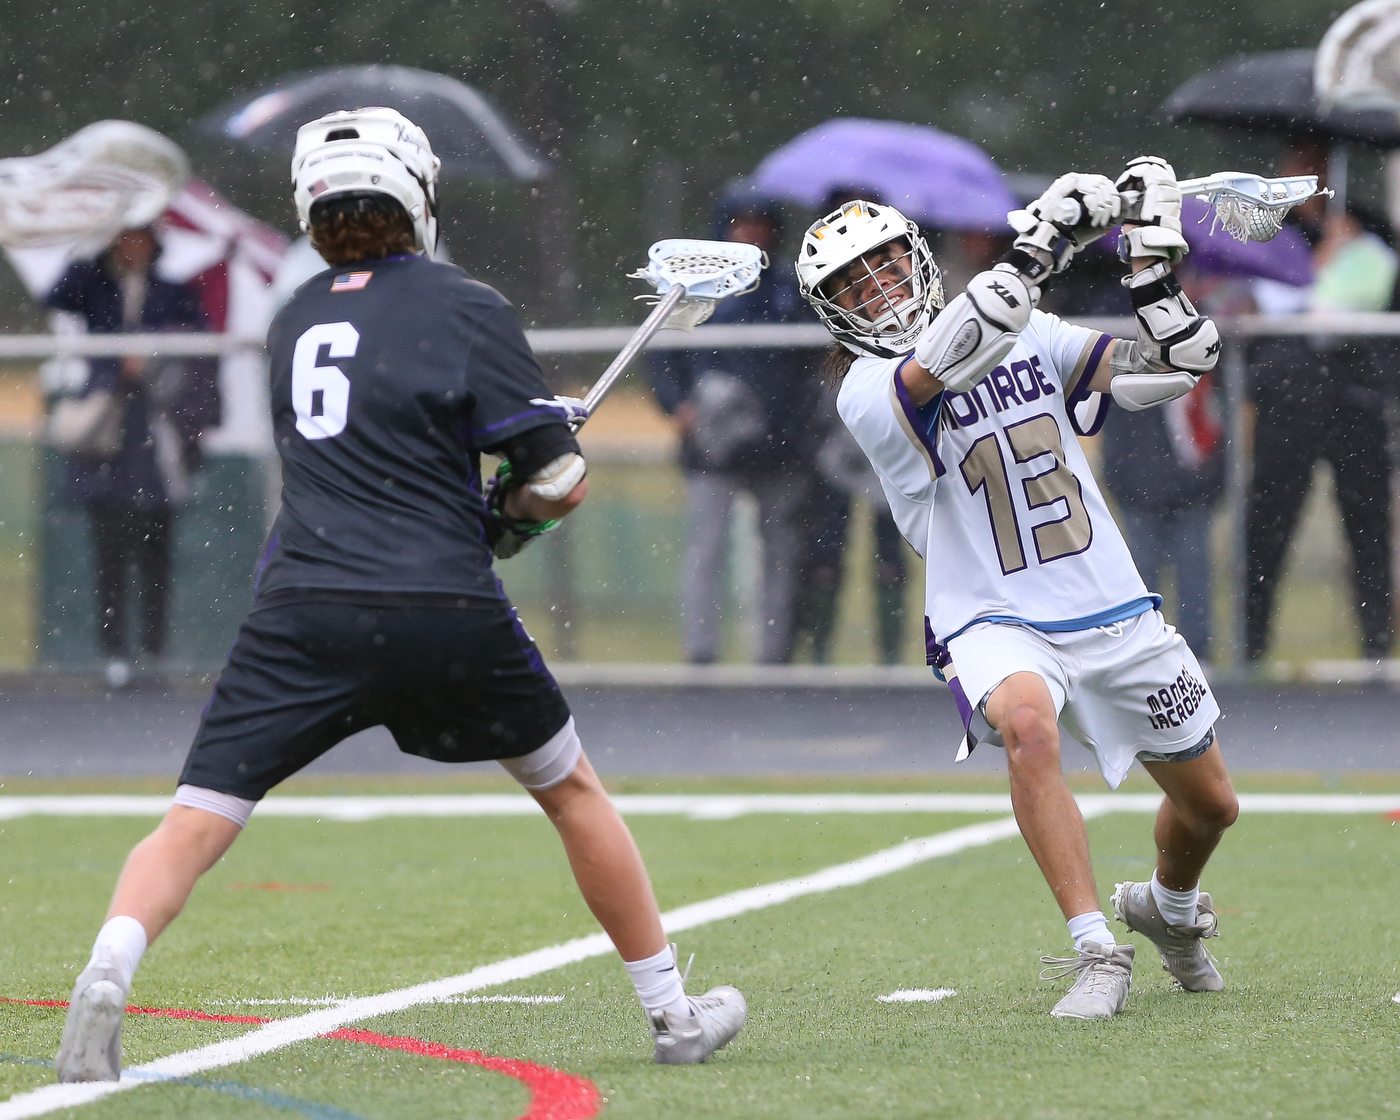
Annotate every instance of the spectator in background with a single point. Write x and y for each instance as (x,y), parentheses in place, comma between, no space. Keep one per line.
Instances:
(1166,467)
(742,418)
(163,405)
(843,476)
(1319,399)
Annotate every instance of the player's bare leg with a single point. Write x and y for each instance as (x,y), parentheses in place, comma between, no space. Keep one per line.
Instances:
(155,883)
(1178,917)
(1022,709)
(605,861)
(1200,804)
(162,869)
(614,883)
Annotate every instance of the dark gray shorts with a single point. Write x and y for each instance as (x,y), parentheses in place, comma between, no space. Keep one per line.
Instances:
(1180,756)
(453,685)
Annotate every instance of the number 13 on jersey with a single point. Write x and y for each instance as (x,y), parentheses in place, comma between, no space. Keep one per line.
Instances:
(321,393)
(984,469)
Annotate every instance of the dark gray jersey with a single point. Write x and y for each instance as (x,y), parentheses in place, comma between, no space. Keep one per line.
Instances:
(388,380)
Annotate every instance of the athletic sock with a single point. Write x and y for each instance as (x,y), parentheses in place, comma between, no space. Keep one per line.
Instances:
(120,944)
(1092,926)
(1178,908)
(658,984)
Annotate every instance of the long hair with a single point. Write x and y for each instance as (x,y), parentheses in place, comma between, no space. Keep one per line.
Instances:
(348,228)
(836,363)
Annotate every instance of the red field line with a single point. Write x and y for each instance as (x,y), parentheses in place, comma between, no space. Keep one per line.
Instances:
(554,1094)
(163,1012)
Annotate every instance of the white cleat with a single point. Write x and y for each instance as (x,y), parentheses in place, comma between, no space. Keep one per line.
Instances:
(1183,951)
(92,1036)
(715,1018)
(1101,989)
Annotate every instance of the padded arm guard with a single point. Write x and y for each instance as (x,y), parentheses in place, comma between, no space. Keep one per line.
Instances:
(977,330)
(1174,348)
(557,478)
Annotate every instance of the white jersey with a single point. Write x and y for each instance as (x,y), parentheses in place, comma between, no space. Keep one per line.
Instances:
(993,490)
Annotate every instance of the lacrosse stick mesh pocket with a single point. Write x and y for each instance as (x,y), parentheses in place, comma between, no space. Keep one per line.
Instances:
(1245,220)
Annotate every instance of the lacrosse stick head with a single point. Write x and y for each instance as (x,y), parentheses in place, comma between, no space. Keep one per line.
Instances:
(1357,66)
(1250,207)
(709,271)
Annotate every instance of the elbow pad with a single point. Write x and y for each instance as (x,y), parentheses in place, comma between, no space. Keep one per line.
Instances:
(1135,386)
(1171,336)
(557,478)
(977,330)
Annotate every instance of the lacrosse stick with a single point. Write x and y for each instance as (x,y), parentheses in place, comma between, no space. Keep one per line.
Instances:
(1247,207)
(1358,61)
(690,278)
(107,176)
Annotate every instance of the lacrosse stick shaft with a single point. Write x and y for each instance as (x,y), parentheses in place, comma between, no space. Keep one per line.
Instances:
(653,323)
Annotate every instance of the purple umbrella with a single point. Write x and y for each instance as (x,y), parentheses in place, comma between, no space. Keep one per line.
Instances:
(937,179)
(1285,258)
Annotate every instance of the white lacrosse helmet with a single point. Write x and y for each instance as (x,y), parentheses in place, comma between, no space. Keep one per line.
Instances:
(877,326)
(368,151)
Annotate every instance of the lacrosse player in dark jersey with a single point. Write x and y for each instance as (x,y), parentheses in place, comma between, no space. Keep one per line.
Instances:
(375,600)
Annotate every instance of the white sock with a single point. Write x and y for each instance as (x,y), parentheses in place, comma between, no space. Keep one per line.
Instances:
(1177,907)
(120,944)
(658,983)
(1092,926)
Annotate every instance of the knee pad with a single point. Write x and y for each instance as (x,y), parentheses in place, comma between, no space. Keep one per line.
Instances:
(235,809)
(547,766)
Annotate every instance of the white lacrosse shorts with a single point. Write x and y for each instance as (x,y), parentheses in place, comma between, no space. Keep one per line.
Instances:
(1123,689)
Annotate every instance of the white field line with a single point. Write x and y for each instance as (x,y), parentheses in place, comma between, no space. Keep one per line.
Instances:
(918,995)
(696,806)
(336,1001)
(299,1028)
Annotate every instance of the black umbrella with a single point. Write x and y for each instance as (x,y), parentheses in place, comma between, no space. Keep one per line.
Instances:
(1272,91)
(471,138)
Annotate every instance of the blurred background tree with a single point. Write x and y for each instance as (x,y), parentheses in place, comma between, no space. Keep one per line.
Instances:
(656,102)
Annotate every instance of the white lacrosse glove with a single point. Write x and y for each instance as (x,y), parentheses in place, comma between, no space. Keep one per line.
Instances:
(571,410)
(1152,225)
(1075,211)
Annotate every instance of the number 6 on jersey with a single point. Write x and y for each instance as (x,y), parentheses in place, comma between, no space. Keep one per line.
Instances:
(321,393)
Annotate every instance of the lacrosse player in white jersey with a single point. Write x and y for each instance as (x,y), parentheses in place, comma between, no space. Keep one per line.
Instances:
(1036,615)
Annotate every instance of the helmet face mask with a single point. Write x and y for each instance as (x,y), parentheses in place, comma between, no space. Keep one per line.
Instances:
(854,287)
(892,284)
(368,151)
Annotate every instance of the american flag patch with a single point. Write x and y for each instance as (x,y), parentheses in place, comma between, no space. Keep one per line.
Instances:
(350,281)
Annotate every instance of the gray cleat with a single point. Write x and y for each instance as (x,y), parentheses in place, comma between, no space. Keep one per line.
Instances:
(1101,989)
(715,1018)
(92,1036)
(1182,947)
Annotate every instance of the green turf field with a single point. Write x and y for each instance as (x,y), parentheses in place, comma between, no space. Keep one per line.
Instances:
(307,910)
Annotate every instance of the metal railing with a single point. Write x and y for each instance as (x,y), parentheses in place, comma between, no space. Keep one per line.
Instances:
(597,340)
(1235,331)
